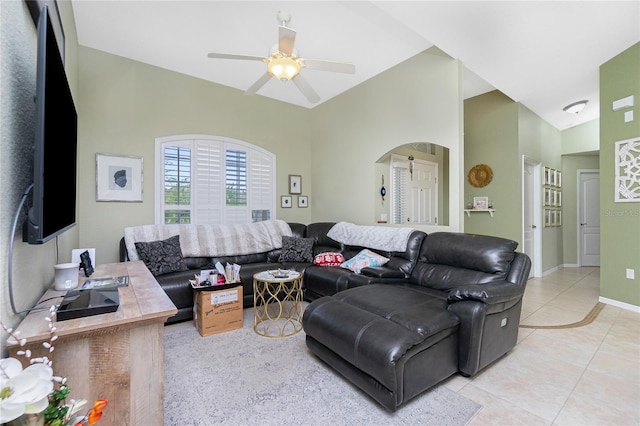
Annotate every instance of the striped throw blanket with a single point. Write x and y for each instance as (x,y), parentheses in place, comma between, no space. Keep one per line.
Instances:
(212,240)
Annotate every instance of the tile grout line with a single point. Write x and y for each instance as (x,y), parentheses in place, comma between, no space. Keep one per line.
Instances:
(584,370)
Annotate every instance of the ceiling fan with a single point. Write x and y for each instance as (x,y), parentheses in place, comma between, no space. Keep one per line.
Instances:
(284,63)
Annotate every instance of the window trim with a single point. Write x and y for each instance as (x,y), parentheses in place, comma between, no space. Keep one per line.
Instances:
(189,140)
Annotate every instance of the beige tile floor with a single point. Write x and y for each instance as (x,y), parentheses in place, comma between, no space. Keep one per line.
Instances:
(587,375)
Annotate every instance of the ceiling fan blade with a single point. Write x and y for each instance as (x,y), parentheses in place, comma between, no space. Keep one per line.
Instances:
(232,56)
(342,67)
(286,39)
(258,85)
(306,89)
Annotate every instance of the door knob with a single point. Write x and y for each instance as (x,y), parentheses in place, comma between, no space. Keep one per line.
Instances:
(533,227)
(583,224)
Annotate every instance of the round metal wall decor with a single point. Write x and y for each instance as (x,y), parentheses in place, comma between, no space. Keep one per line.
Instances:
(480,175)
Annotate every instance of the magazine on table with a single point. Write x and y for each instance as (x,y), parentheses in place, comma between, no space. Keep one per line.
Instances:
(92,283)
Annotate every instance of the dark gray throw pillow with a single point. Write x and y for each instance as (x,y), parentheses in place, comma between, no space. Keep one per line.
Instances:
(296,249)
(162,257)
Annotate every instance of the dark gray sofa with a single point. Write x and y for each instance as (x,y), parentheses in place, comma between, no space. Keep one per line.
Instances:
(317,281)
(458,311)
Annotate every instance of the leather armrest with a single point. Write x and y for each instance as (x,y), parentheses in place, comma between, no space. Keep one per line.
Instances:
(490,293)
(382,272)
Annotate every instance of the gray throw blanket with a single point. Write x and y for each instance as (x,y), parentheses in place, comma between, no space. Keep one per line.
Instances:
(384,238)
(212,240)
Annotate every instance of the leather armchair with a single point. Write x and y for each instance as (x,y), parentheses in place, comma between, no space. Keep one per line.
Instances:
(484,279)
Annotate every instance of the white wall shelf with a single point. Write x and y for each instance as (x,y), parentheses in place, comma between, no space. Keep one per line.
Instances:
(469,211)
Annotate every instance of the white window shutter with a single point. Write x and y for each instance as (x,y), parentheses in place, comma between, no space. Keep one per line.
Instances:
(399,195)
(219,168)
(261,185)
(209,182)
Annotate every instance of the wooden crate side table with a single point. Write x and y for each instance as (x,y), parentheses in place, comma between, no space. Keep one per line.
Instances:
(117,356)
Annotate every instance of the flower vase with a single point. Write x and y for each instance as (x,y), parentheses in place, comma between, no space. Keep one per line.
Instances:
(36,419)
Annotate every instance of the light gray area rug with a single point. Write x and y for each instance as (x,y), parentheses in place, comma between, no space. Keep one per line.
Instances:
(240,378)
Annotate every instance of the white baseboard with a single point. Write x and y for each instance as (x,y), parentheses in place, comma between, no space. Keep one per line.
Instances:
(551,271)
(571,265)
(623,305)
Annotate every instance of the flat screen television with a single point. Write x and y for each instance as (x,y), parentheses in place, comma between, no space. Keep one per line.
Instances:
(53,209)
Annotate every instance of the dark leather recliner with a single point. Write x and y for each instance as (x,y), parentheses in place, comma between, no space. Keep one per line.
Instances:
(459,311)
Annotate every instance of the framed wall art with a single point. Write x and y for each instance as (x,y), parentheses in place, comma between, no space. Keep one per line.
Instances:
(303,201)
(118,178)
(627,174)
(295,184)
(480,203)
(547,218)
(285,201)
(547,197)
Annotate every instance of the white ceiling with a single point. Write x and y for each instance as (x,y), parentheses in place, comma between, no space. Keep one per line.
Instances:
(544,54)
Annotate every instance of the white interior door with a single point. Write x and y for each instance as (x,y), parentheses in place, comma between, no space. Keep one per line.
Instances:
(531,216)
(589,217)
(423,189)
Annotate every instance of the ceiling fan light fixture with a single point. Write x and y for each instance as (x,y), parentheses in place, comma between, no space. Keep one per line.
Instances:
(283,68)
(575,107)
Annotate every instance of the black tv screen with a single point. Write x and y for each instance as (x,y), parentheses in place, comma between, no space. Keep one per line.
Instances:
(55,150)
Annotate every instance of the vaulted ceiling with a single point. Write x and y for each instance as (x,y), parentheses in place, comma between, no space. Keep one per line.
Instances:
(544,54)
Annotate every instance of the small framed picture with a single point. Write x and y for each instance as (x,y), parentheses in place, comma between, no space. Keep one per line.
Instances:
(547,176)
(547,218)
(558,178)
(295,184)
(118,178)
(303,201)
(480,203)
(547,197)
(559,218)
(285,201)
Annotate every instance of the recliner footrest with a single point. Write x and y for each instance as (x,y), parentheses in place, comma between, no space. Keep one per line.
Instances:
(390,334)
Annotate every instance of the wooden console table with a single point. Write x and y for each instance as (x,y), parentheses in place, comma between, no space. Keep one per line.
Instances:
(118,356)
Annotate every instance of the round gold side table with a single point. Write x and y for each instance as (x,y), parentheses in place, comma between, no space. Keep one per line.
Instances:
(276,303)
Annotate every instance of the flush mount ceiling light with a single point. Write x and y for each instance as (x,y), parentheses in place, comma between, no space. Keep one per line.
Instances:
(575,107)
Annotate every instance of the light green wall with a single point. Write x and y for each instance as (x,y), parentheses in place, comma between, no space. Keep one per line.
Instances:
(582,138)
(417,101)
(619,222)
(125,105)
(499,132)
(491,138)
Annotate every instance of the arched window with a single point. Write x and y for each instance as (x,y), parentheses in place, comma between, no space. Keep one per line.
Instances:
(204,179)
